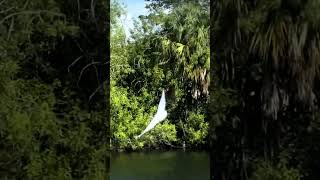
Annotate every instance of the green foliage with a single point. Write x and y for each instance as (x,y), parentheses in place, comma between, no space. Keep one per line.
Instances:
(129,118)
(169,52)
(163,134)
(266,171)
(126,115)
(267,54)
(46,131)
(119,64)
(196,128)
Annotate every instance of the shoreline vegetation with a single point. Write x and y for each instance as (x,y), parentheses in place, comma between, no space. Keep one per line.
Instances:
(167,50)
(162,147)
(259,117)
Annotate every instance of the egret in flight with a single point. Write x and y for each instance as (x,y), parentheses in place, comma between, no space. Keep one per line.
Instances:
(160,115)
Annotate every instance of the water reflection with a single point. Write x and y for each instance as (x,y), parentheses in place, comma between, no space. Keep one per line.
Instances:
(172,165)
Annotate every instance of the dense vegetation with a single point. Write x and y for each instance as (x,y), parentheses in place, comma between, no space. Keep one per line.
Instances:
(262,103)
(263,107)
(264,95)
(170,51)
(254,97)
(52,68)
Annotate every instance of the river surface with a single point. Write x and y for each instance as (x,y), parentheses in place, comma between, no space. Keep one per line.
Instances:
(169,165)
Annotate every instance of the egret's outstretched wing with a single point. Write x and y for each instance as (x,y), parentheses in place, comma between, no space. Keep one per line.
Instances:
(151,125)
(160,115)
(162,103)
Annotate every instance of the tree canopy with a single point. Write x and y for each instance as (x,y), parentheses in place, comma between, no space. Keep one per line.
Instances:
(166,52)
(266,68)
(52,123)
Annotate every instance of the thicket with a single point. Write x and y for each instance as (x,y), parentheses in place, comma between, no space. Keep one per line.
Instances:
(52,107)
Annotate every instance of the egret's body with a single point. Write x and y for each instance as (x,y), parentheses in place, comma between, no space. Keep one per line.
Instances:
(160,115)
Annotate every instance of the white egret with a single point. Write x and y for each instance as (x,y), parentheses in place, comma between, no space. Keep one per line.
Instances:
(160,115)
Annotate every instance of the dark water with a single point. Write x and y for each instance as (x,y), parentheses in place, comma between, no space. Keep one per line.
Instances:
(172,165)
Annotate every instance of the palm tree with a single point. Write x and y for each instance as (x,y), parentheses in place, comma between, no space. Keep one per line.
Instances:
(280,40)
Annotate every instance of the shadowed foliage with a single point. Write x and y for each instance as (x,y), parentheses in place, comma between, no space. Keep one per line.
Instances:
(267,53)
(52,108)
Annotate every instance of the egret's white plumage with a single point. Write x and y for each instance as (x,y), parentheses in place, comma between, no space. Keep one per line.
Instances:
(160,115)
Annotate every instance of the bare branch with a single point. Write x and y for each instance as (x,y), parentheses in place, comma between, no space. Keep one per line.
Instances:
(74,62)
(6,10)
(78,3)
(95,91)
(32,12)
(11,28)
(25,4)
(164,62)
(2,2)
(80,47)
(84,68)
